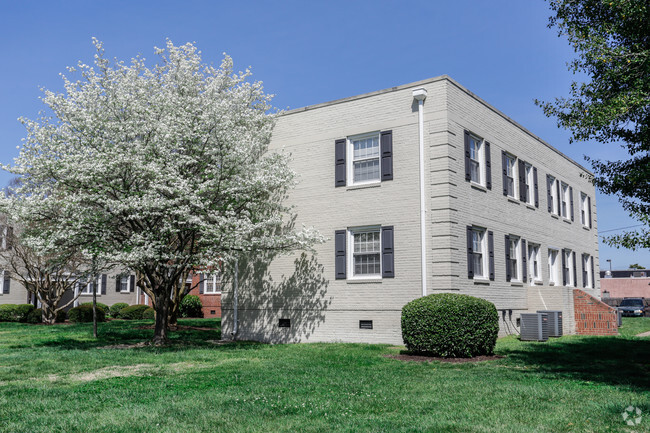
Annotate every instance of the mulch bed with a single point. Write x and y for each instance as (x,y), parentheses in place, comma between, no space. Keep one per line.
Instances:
(420,358)
(180,328)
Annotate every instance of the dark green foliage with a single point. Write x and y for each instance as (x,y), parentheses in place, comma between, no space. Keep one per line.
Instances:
(149,313)
(99,305)
(84,313)
(133,312)
(15,312)
(191,306)
(610,39)
(35,316)
(115,309)
(450,325)
(61,315)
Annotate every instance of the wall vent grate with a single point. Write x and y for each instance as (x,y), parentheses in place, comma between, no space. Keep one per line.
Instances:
(365,324)
(284,323)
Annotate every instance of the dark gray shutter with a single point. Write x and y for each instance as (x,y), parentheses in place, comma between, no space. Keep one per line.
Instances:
(571,200)
(339,254)
(468,175)
(104,281)
(584,272)
(339,172)
(559,197)
(593,279)
(491,254)
(536,189)
(504,174)
(387,253)
(132,288)
(549,195)
(201,283)
(470,253)
(524,261)
(118,283)
(7,283)
(386,141)
(523,190)
(589,209)
(575,275)
(508,270)
(488,166)
(564,268)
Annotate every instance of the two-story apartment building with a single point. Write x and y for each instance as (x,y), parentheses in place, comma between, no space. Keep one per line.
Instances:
(421,188)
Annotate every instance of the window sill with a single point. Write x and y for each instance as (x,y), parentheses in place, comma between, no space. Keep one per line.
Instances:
(513,200)
(530,206)
(555,216)
(363,186)
(365,281)
(210,294)
(567,220)
(482,281)
(538,282)
(478,186)
(517,283)
(586,228)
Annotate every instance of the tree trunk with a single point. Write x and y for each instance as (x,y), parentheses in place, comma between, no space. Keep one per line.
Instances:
(162,319)
(94,310)
(49,315)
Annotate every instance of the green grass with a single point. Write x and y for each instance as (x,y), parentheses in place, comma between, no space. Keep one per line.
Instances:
(59,379)
(634,325)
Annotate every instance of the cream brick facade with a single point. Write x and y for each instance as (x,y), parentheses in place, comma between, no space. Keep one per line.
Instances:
(303,288)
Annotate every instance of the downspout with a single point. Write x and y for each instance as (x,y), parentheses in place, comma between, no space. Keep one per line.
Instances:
(420,95)
(234,300)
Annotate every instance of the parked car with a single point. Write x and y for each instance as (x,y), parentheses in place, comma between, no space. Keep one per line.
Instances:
(632,307)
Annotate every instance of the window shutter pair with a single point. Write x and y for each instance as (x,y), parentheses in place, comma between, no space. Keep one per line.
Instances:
(524,261)
(201,283)
(549,194)
(488,161)
(6,283)
(571,200)
(387,253)
(508,270)
(523,190)
(386,158)
(504,175)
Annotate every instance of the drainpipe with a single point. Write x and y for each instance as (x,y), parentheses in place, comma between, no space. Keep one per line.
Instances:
(234,300)
(420,95)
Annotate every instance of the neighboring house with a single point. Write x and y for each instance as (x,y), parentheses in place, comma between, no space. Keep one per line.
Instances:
(632,283)
(496,213)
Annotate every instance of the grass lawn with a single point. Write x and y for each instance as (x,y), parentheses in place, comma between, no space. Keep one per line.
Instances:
(58,379)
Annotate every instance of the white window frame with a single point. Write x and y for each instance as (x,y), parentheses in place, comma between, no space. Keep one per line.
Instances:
(483,250)
(586,263)
(4,232)
(88,288)
(515,271)
(584,210)
(2,282)
(565,201)
(351,255)
(534,271)
(530,184)
(350,157)
(568,263)
(215,279)
(554,263)
(515,175)
(480,161)
(128,283)
(555,206)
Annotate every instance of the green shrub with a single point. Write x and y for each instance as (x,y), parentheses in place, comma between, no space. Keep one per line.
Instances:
(15,312)
(115,309)
(133,312)
(99,305)
(191,306)
(149,313)
(84,313)
(35,316)
(61,315)
(450,325)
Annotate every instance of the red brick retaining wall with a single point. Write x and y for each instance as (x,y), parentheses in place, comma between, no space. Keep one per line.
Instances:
(593,317)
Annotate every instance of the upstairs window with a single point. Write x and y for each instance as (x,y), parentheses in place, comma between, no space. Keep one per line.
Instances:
(363,159)
(509,175)
(552,195)
(585,210)
(564,200)
(477,161)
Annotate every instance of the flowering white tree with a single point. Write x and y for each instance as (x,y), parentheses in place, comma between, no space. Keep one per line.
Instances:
(159,170)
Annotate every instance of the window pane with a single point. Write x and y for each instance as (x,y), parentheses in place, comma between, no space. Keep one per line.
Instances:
(367,264)
(366,148)
(366,170)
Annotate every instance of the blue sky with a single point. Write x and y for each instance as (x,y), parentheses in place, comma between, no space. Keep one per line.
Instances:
(308,52)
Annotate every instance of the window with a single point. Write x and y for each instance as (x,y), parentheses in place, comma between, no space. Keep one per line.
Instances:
(585,210)
(475,158)
(86,287)
(5,281)
(528,194)
(552,195)
(5,234)
(564,200)
(587,274)
(480,253)
(477,161)
(364,253)
(534,264)
(553,267)
(568,276)
(363,159)
(364,153)
(513,261)
(125,283)
(509,170)
(212,283)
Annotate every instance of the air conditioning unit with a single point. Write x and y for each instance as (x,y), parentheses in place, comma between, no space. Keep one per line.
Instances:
(555,322)
(534,327)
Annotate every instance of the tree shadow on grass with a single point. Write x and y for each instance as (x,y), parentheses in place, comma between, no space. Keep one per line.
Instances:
(604,360)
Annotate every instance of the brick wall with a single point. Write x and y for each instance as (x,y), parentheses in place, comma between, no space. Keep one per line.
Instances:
(592,316)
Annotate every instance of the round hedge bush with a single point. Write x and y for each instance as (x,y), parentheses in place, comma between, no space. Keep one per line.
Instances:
(191,306)
(133,312)
(450,325)
(15,312)
(99,305)
(84,313)
(115,309)
(149,313)
(35,316)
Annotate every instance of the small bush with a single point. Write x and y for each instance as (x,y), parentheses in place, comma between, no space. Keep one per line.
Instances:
(61,315)
(149,313)
(99,305)
(15,312)
(84,313)
(191,306)
(133,312)
(450,325)
(35,316)
(115,309)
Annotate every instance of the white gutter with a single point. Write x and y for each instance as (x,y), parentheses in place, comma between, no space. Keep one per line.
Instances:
(420,95)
